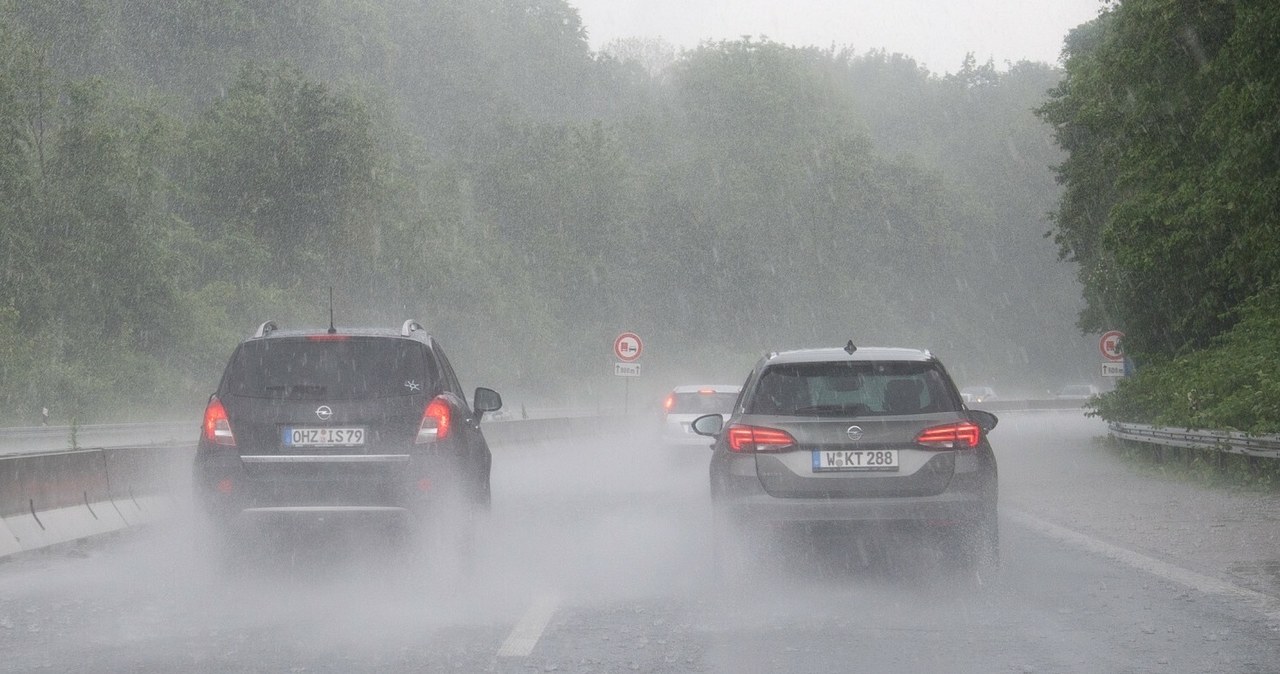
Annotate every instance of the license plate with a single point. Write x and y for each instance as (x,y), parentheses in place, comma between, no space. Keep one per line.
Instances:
(323,437)
(831,460)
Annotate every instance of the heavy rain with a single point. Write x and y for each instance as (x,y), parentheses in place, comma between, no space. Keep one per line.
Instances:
(742,306)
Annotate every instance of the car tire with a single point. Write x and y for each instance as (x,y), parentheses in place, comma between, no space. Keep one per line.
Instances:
(979,550)
(730,551)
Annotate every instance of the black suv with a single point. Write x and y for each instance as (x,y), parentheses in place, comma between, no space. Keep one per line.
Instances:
(833,438)
(333,424)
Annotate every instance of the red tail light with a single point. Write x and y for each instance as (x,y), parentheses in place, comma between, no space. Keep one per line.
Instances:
(669,402)
(436,420)
(327,338)
(217,427)
(757,439)
(962,435)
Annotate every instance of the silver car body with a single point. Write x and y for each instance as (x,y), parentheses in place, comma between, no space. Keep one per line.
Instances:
(688,402)
(925,484)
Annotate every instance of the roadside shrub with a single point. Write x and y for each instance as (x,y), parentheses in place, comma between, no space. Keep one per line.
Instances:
(1232,385)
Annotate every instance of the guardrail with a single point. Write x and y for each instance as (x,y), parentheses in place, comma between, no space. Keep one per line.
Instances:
(1225,442)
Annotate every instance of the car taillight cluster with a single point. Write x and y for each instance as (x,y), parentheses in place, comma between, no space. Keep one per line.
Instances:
(436,421)
(961,435)
(217,427)
(748,439)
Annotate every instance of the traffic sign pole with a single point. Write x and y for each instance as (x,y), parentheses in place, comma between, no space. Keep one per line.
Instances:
(627,347)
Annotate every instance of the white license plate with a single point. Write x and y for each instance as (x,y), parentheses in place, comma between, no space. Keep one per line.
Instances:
(323,437)
(831,460)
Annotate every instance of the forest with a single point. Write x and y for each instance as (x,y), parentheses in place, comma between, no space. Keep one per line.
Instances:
(1171,208)
(172,174)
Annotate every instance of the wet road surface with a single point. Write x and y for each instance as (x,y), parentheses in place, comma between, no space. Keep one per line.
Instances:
(597,558)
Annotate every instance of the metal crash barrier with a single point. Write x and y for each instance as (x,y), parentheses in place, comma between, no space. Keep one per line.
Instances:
(1227,442)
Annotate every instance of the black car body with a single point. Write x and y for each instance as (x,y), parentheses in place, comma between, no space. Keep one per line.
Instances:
(854,436)
(320,423)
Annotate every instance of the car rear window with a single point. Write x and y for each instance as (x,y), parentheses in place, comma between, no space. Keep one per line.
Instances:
(852,388)
(701,403)
(329,369)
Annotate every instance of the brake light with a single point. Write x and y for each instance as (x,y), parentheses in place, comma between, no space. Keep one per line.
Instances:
(436,420)
(961,435)
(706,391)
(217,427)
(756,439)
(669,402)
(327,338)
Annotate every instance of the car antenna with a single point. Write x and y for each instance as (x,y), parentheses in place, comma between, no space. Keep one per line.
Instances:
(850,348)
(332,329)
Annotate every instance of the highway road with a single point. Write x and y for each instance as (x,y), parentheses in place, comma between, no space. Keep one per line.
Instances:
(597,558)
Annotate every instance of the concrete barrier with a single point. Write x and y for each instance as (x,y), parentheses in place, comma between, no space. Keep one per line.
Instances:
(141,480)
(53,498)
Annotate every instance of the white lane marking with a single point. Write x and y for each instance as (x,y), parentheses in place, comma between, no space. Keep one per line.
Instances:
(524,636)
(1268,605)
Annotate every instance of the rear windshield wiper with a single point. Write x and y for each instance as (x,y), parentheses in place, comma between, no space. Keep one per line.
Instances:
(823,410)
(296,391)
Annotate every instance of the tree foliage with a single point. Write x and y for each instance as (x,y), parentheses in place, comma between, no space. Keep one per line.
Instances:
(1170,203)
(172,175)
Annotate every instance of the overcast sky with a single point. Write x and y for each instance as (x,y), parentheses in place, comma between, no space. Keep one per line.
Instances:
(936,33)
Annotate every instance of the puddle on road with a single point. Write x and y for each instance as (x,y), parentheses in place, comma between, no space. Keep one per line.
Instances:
(1261,576)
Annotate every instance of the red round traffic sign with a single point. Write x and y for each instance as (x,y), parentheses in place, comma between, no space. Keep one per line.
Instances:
(627,347)
(1110,345)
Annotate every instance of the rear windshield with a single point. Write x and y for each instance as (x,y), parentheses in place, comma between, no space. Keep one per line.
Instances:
(848,388)
(329,369)
(701,403)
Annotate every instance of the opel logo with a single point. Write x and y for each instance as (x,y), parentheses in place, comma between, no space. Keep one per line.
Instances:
(854,433)
(324,413)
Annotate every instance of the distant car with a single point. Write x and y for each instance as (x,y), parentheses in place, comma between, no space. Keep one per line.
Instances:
(978,394)
(850,442)
(1077,392)
(324,425)
(686,403)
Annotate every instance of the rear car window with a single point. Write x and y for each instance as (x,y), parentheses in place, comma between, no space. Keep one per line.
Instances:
(845,388)
(702,403)
(326,368)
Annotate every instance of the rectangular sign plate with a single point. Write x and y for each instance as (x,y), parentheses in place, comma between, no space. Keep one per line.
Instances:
(836,460)
(294,436)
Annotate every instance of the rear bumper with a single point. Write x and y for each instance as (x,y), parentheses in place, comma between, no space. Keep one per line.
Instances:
(969,495)
(230,487)
(942,508)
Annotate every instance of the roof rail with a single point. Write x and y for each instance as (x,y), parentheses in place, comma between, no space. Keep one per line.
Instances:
(265,329)
(409,326)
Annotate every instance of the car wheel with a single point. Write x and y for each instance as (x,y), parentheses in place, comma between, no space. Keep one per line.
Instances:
(979,550)
(730,551)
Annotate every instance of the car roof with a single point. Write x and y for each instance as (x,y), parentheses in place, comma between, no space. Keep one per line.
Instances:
(713,388)
(410,330)
(862,353)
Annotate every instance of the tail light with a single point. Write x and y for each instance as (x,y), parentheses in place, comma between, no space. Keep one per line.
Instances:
(217,427)
(961,435)
(669,402)
(748,439)
(436,420)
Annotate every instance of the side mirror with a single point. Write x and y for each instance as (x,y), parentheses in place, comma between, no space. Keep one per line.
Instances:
(985,420)
(486,400)
(708,424)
